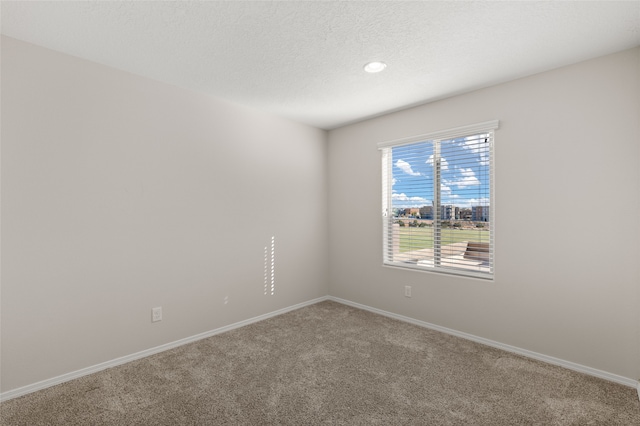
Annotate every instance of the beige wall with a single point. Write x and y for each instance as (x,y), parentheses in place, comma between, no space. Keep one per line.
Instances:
(567,280)
(120,194)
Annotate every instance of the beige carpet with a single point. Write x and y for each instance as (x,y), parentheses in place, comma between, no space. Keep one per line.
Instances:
(330,364)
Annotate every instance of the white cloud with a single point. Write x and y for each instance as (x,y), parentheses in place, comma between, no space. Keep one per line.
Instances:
(462,179)
(402,200)
(446,194)
(444,164)
(467,178)
(479,201)
(477,146)
(406,167)
(471,202)
(405,197)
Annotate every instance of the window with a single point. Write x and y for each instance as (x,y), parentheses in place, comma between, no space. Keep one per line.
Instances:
(437,201)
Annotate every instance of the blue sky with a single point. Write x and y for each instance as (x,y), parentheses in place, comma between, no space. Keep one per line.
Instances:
(464,173)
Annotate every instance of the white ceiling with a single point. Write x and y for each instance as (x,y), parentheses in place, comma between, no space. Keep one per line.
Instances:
(304,59)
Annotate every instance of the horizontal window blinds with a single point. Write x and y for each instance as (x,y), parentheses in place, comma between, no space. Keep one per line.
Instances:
(438,201)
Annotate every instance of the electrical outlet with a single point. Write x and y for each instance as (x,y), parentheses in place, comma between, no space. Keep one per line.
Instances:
(407,291)
(156,314)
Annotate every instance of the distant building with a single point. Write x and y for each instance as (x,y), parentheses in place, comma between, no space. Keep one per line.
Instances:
(480,213)
(449,212)
(412,212)
(426,212)
(465,214)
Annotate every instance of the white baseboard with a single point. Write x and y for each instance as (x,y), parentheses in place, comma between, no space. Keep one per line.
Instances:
(142,354)
(524,352)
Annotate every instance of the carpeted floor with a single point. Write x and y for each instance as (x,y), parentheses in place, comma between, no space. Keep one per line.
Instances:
(330,364)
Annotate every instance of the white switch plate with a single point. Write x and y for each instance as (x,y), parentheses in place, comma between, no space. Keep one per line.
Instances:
(156,314)
(407,291)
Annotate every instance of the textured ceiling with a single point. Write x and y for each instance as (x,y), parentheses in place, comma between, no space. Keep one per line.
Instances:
(303,60)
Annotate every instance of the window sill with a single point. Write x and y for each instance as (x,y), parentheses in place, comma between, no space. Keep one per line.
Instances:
(414,266)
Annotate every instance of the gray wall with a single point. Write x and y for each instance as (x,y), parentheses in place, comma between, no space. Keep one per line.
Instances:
(120,194)
(567,281)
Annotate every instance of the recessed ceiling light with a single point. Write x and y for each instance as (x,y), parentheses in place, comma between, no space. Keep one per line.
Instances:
(375,66)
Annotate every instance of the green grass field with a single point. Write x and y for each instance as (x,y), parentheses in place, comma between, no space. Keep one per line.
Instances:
(413,238)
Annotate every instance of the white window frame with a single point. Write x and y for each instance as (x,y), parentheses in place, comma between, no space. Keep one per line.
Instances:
(487,127)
